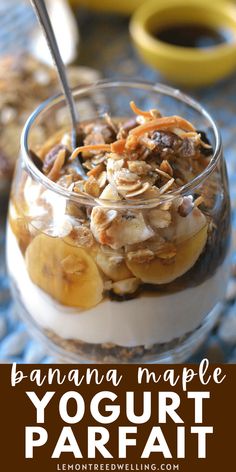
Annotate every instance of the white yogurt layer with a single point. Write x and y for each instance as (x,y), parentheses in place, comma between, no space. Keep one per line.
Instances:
(142,321)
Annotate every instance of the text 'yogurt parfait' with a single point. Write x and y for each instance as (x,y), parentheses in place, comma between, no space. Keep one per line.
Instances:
(130,262)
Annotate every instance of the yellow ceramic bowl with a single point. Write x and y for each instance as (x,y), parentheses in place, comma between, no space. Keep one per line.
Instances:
(184,65)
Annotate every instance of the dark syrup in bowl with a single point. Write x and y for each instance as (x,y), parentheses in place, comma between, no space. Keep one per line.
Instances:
(193,35)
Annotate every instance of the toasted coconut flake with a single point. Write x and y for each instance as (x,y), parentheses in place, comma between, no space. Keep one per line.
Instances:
(205,145)
(162,173)
(66,141)
(188,134)
(111,123)
(139,191)
(55,172)
(167,186)
(129,188)
(102,178)
(199,200)
(167,122)
(166,167)
(90,148)
(126,181)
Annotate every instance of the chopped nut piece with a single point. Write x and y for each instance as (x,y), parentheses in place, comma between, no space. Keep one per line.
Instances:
(100,221)
(159,218)
(92,187)
(186,206)
(141,256)
(126,286)
(147,142)
(110,193)
(78,187)
(81,236)
(139,167)
(131,142)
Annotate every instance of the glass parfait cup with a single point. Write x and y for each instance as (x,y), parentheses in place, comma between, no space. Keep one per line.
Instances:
(91,300)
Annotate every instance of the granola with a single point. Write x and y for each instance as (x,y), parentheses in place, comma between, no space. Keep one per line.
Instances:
(24,84)
(129,229)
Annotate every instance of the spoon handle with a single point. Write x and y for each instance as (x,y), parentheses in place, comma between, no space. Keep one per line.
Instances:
(45,22)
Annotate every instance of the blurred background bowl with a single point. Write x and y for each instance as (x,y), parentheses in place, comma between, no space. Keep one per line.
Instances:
(186,65)
(122,6)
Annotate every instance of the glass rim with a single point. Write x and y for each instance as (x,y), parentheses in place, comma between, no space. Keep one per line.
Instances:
(105,84)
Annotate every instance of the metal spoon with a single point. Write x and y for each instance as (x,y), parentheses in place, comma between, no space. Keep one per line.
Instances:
(46,25)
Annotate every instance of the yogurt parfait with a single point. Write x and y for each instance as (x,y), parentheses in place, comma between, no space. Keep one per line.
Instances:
(128,262)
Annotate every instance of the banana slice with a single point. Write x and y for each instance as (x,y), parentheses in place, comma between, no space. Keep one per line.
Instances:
(114,267)
(158,272)
(19,227)
(67,273)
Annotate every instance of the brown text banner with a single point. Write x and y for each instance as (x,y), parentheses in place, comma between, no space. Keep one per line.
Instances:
(118,417)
